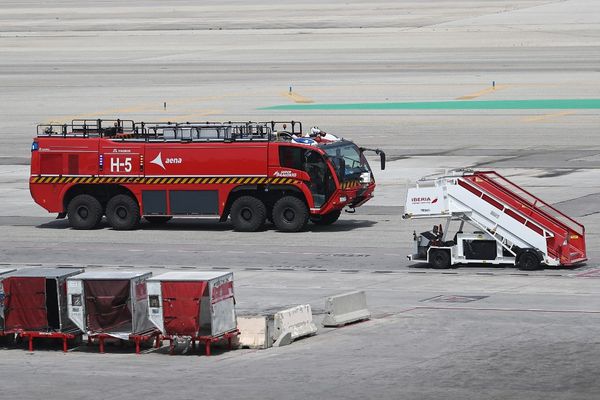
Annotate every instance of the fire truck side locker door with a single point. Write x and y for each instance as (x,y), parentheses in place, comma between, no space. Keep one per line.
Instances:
(120,158)
(154,202)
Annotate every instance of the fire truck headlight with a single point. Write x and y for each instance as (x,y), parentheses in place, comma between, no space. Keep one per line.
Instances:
(365,177)
(343,199)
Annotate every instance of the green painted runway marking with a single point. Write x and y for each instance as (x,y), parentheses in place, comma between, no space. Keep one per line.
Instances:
(548,104)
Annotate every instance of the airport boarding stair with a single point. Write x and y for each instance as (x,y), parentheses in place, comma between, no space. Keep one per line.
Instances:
(565,237)
(514,217)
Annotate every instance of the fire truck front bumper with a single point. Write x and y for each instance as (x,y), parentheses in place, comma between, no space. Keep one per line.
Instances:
(347,198)
(360,196)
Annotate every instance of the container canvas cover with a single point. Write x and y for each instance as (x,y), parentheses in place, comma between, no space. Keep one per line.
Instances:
(25,303)
(2,272)
(222,305)
(181,307)
(107,304)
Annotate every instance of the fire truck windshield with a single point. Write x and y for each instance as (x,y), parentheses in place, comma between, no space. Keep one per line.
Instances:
(347,156)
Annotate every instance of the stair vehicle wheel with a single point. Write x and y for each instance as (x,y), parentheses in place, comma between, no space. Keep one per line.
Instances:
(326,219)
(439,259)
(157,219)
(529,261)
(84,212)
(290,214)
(123,212)
(248,214)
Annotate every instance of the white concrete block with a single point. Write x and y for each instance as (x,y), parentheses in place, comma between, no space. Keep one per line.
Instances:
(283,340)
(346,308)
(254,332)
(298,321)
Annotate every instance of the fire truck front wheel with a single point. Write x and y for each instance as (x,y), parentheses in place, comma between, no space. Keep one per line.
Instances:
(84,212)
(248,214)
(123,212)
(290,214)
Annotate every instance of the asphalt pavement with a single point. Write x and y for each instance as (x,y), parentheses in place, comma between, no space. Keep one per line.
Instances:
(516,335)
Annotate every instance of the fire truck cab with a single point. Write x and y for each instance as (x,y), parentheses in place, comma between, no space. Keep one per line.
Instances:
(249,172)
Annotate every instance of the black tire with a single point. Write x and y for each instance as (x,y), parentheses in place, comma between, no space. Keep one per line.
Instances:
(84,212)
(123,212)
(529,261)
(326,219)
(248,214)
(157,219)
(439,259)
(290,214)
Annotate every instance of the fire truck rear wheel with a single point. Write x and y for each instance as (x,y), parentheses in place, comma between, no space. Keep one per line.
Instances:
(123,212)
(326,219)
(439,259)
(290,214)
(84,212)
(248,214)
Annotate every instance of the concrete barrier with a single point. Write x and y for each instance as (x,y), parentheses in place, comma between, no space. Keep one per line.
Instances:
(346,308)
(298,321)
(284,340)
(254,332)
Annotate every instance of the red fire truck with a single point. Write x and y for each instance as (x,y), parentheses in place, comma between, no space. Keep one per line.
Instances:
(251,172)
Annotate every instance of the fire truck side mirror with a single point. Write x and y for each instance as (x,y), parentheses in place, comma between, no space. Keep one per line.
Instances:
(379,152)
(381,159)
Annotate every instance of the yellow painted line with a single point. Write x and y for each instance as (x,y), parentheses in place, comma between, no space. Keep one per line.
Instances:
(545,117)
(296,98)
(475,95)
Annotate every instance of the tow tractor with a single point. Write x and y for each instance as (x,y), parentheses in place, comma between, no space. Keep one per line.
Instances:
(510,225)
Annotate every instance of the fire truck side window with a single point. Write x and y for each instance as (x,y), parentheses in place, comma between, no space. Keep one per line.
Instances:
(291,157)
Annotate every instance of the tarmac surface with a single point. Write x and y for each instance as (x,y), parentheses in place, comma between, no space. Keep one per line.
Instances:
(516,335)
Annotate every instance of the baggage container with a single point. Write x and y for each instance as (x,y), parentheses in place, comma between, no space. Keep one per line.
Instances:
(110,304)
(35,304)
(199,305)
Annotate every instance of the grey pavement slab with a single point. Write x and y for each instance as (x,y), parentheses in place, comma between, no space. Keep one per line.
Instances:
(522,335)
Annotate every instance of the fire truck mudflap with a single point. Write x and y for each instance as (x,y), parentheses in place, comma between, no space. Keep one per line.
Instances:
(248,172)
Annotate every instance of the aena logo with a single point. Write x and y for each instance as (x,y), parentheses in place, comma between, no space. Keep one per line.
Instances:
(172,160)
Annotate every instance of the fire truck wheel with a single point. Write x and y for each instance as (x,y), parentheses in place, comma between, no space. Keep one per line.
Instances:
(326,219)
(528,261)
(248,214)
(290,214)
(84,212)
(439,259)
(122,212)
(157,219)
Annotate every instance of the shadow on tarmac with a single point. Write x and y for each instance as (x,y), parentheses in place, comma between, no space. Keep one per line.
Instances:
(425,266)
(198,224)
